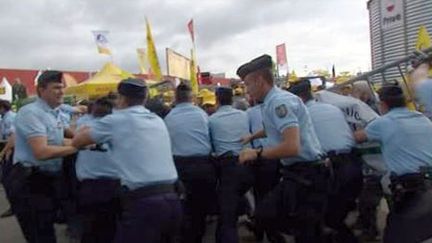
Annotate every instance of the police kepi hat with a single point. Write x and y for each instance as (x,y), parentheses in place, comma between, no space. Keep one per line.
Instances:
(132,87)
(262,62)
(301,86)
(224,91)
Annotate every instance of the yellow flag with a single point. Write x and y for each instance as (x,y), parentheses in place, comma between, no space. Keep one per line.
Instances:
(423,39)
(152,55)
(193,73)
(142,60)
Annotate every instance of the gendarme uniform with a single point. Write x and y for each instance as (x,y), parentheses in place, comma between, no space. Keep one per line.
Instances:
(423,92)
(337,141)
(35,191)
(407,148)
(6,124)
(140,147)
(190,139)
(282,110)
(227,127)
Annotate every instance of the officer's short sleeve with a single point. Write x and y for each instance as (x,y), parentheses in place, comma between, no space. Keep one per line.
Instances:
(374,129)
(30,125)
(101,130)
(282,115)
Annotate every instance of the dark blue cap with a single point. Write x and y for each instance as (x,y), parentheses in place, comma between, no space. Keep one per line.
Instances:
(262,62)
(223,91)
(301,86)
(132,87)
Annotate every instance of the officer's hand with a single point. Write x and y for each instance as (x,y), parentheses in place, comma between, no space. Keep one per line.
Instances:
(248,155)
(246,139)
(80,109)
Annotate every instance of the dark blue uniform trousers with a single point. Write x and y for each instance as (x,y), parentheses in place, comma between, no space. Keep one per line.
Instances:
(198,176)
(153,219)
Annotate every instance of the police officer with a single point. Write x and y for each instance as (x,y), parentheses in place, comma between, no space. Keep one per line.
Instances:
(190,139)
(6,130)
(99,185)
(140,147)
(227,126)
(337,141)
(39,149)
(296,204)
(406,145)
(266,172)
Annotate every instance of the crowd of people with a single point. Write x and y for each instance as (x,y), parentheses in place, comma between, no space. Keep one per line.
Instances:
(120,169)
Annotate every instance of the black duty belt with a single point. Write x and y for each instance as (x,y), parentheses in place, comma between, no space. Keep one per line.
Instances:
(148,191)
(192,159)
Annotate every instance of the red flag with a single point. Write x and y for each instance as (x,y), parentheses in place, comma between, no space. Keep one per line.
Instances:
(191,30)
(281,54)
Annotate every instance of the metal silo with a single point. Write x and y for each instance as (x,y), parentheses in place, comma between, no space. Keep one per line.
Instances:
(393,30)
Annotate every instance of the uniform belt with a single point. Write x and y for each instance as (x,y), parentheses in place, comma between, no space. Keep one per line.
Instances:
(339,152)
(187,159)
(151,190)
(37,170)
(412,181)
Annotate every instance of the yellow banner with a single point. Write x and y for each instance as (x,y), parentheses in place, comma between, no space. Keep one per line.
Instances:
(177,65)
(152,55)
(142,61)
(423,39)
(193,73)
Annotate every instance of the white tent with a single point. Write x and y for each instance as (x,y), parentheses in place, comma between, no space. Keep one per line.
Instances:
(5,90)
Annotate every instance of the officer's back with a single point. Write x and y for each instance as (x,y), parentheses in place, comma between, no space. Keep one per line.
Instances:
(227,124)
(140,146)
(188,126)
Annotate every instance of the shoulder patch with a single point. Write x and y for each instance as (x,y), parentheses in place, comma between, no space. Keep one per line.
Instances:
(281,111)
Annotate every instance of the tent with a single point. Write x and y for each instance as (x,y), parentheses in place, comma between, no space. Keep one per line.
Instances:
(5,90)
(100,84)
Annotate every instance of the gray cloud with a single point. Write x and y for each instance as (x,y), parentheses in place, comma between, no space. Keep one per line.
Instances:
(57,34)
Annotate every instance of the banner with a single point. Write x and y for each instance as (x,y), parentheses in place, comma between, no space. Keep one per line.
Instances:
(101,39)
(191,30)
(152,55)
(423,39)
(142,61)
(281,58)
(391,14)
(193,73)
(177,64)
(5,90)
(357,113)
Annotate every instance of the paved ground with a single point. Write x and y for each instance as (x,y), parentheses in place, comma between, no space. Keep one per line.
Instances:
(10,232)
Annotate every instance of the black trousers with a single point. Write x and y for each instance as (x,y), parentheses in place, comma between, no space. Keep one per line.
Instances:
(35,202)
(410,217)
(198,176)
(345,188)
(297,204)
(99,209)
(234,181)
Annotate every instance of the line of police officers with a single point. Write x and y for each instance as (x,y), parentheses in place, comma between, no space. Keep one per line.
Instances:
(128,162)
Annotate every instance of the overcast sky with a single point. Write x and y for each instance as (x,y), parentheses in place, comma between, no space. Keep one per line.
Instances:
(57,34)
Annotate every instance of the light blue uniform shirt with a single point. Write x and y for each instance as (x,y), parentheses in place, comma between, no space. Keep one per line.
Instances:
(83,120)
(6,124)
(95,164)
(405,138)
(37,119)
(424,94)
(188,129)
(256,124)
(139,145)
(227,127)
(331,128)
(66,114)
(282,110)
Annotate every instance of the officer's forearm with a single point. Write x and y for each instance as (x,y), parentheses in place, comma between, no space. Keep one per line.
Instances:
(289,147)
(82,138)
(260,134)
(43,151)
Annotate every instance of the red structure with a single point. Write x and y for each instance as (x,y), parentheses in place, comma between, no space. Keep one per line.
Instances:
(28,76)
